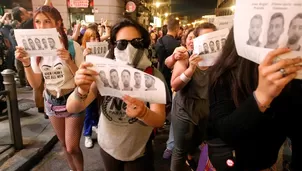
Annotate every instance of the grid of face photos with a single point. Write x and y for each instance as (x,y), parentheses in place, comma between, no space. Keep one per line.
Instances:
(32,43)
(276,30)
(212,46)
(98,48)
(127,80)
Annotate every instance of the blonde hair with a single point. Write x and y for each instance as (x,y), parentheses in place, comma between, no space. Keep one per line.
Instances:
(87,35)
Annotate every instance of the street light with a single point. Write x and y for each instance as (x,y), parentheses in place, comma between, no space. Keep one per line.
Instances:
(157,4)
(176,18)
(166,14)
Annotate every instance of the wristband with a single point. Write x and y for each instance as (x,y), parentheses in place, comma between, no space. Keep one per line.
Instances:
(262,106)
(27,66)
(184,78)
(144,114)
(80,96)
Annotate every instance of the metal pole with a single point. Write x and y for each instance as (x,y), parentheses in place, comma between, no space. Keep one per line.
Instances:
(12,104)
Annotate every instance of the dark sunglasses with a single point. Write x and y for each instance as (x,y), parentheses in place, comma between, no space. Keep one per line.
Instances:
(122,44)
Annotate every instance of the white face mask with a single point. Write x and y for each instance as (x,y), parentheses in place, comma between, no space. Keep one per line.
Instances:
(127,56)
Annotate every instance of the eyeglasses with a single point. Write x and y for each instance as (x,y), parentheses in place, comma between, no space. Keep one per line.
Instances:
(137,43)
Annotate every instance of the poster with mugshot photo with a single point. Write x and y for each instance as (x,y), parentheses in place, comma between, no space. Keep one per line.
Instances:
(98,48)
(269,24)
(117,79)
(38,42)
(210,45)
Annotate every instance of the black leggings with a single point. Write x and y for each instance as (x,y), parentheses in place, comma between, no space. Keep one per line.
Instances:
(144,163)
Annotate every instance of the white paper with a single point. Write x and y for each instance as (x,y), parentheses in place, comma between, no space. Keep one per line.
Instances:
(116,80)
(98,48)
(260,26)
(38,42)
(222,22)
(209,46)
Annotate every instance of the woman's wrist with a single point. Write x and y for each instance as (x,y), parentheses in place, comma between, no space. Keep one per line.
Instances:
(144,114)
(262,100)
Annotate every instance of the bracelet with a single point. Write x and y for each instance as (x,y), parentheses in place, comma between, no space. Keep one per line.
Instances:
(80,96)
(262,106)
(27,66)
(184,78)
(145,113)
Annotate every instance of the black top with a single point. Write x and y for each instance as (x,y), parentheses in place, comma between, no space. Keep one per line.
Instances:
(29,24)
(256,136)
(165,47)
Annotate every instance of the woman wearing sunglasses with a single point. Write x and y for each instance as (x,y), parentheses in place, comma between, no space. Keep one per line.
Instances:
(125,125)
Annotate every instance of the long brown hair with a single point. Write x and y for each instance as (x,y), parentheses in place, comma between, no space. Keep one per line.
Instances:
(52,13)
(231,69)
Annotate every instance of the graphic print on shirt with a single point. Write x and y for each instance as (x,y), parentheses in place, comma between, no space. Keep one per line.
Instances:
(114,109)
(53,75)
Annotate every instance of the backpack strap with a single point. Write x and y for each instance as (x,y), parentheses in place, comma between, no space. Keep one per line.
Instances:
(71,49)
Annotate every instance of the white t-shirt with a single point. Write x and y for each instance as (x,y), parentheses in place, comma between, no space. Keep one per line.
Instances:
(122,137)
(56,73)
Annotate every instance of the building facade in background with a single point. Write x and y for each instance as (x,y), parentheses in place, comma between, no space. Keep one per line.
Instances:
(87,11)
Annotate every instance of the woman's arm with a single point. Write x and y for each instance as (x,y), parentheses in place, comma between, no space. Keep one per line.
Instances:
(31,67)
(75,104)
(231,123)
(170,61)
(155,116)
(180,67)
(107,35)
(34,79)
(76,32)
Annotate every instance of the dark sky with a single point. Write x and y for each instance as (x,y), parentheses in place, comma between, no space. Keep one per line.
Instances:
(193,8)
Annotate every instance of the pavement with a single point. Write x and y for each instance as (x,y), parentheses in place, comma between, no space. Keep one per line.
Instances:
(55,160)
(38,136)
(42,151)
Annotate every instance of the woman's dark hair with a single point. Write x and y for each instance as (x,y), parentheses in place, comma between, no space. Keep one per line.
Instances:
(184,37)
(239,73)
(126,22)
(52,13)
(204,26)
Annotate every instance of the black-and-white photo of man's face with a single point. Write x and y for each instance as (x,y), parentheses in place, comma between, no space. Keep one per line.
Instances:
(25,45)
(31,44)
(104,79)
(212,47)
(275,30)
(126,77)
(255,28)
(295,32)
(149,82)
(38,43)
(52,43)
(218,44)
(137,80)
(44,43)
(114,79)
(206,48)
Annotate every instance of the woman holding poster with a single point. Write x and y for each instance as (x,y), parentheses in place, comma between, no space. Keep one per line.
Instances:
(190,105)
(91,117)
(252,110)
(58,73)
(125,124)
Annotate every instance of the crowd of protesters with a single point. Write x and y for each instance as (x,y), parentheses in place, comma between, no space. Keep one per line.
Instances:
(236,112)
